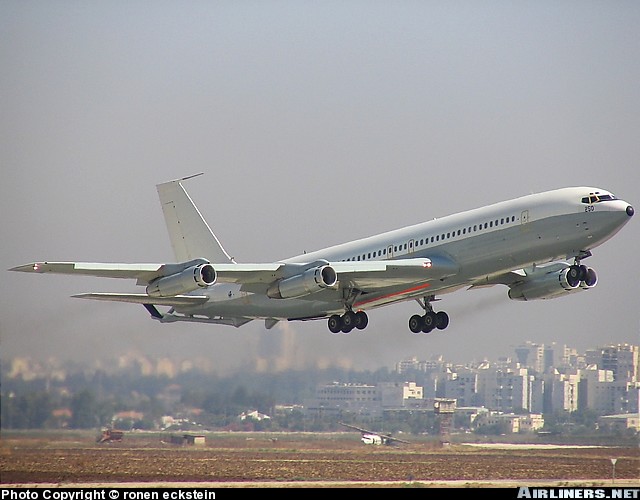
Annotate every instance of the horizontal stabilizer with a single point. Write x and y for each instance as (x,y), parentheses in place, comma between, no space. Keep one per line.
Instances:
(143,298)
(236,321)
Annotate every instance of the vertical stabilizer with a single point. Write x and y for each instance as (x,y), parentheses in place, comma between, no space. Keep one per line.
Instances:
(191,237)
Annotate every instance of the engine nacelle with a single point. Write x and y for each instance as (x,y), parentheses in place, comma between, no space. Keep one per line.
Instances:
(311,281)
(552,285)
(190,279)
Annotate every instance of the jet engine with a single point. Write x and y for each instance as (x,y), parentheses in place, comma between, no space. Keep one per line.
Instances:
(311,281)
(190,279)
(555,284)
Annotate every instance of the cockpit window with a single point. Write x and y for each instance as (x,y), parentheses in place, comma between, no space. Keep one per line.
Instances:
(597,198)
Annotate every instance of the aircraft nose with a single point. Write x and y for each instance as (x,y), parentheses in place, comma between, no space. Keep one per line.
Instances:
(630,211)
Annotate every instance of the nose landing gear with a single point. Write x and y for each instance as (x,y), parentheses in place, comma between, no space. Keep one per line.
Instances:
(581,275)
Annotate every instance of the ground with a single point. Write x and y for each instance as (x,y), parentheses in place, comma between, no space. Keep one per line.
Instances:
(304,459)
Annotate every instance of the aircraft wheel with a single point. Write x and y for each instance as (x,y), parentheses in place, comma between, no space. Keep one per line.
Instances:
(590,278)
(348,321)
(416,323)
(574,276)
(584,270)
(362,320)
(335,323)
(442,320)
(429,320)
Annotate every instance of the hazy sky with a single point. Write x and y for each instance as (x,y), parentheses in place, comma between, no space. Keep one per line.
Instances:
(314,123)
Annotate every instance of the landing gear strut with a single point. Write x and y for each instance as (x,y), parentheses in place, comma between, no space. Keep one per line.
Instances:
(430,320)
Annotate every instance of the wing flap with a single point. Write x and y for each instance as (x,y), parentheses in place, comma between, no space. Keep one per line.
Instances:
(511,278)
(249,273)
(143,298)
(368,275)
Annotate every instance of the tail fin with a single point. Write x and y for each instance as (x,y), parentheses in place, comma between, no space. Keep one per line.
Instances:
(191,237)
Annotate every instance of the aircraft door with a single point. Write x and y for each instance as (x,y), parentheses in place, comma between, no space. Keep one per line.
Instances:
(411,246)
(390,252)
(524,217)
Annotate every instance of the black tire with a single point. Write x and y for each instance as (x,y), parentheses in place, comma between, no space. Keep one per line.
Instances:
(573,276)
(335,323)
(416,323)
(583,272)
(591,278)
(429,322)
(348,321)
(362,320)
(442,320)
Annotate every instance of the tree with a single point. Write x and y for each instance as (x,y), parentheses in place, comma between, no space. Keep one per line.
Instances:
(83,408)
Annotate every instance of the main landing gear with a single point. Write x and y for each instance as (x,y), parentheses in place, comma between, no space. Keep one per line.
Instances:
(348,321)
(417,324)
(431,319)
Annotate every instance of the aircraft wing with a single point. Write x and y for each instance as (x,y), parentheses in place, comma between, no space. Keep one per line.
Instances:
(258,278)
(143,273)
(360,429)
(361,274)
(386,437)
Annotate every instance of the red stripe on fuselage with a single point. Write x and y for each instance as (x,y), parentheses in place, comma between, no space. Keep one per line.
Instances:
(403,292)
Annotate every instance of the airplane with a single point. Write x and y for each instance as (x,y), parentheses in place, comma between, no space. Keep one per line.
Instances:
(370,437)
(533,244)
